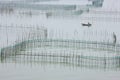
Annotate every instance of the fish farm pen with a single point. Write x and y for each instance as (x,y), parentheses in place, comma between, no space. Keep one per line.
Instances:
(70,52)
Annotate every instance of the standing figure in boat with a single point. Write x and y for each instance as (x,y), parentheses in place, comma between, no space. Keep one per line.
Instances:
(114,39)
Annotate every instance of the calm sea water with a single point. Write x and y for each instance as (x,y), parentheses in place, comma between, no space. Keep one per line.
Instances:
(25,70)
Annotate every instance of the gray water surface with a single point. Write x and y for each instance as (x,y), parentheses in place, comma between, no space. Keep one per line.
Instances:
(23,70)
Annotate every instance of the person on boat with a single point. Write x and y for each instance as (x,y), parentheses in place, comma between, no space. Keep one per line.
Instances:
(114,39)
(88,24)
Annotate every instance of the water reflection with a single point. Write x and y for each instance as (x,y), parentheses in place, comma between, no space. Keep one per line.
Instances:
(56,67)
(70,61)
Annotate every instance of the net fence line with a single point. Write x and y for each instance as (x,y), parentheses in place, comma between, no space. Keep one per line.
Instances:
(31,44)
(19,51)
(52,14)
(74,60)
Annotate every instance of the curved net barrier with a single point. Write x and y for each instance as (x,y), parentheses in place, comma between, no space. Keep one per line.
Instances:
(70,52)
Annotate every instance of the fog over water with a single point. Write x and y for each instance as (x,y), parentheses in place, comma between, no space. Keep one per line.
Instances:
(60,59)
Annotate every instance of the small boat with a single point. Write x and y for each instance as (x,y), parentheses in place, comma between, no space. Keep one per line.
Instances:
(88,24)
